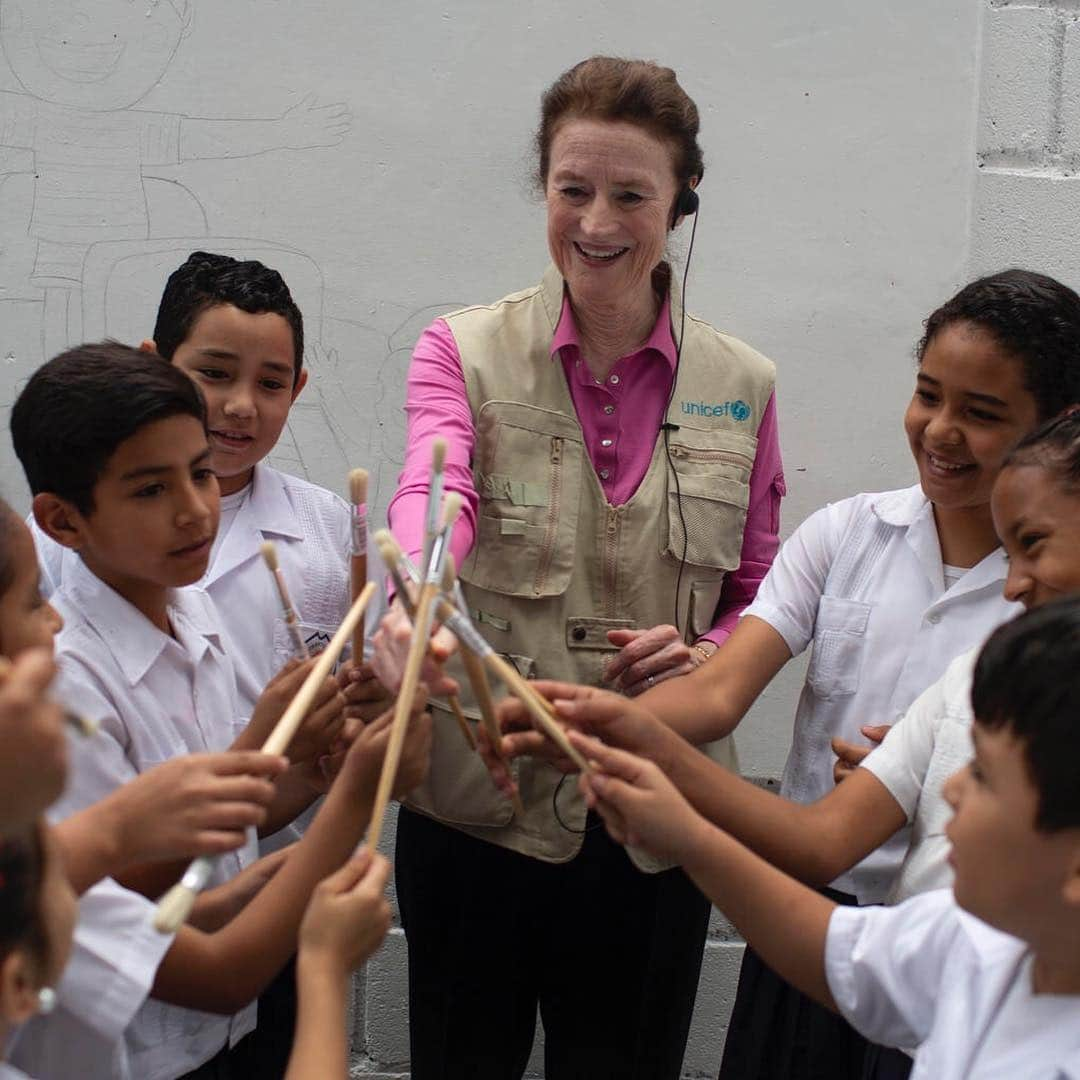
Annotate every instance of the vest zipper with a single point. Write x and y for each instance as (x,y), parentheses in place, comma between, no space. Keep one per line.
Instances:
(688,454)
(611,563)
(552,534)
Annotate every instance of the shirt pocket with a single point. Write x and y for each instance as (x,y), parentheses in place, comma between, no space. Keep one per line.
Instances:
(315,638)
(708,497)
(528,471)
(839,639)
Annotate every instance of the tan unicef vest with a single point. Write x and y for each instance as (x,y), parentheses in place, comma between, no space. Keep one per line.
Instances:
(555,566)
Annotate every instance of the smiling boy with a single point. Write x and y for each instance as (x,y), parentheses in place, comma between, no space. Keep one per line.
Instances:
(984,979)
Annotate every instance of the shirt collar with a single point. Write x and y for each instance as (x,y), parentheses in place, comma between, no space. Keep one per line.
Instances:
(134,642)
(661,340)
(901,508)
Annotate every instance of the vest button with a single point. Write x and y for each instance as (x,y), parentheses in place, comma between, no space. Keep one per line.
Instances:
(579,633)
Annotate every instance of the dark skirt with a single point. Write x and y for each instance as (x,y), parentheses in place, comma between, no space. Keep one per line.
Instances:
(778,1033)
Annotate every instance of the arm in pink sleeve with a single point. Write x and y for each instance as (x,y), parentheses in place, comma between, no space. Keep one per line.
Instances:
(436,403)
(761,536)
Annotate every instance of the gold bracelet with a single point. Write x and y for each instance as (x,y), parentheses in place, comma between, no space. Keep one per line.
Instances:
(702,653)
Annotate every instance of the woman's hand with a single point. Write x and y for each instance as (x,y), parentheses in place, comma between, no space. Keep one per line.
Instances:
(647,657)
(347,916)
(638,803)
(392,641)
(849,756)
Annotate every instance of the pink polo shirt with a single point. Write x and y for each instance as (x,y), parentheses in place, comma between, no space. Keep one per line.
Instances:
(619,419)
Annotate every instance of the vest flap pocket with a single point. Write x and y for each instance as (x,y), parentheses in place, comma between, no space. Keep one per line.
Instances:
(697,452)
(527,470)
(839,636)
(704,600)
(584,632)
(713,510)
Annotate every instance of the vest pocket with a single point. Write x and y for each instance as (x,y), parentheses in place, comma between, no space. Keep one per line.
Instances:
(529,482)
(839,635)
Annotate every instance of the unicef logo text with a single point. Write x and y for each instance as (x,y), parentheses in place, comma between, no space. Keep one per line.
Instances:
(737,410)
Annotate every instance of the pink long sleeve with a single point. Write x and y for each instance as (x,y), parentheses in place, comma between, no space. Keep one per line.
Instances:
(761,535)
(436,403)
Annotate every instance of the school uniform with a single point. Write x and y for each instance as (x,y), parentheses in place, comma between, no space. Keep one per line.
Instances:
(928,974)
(114,957)
(863,582)
(919,754)
(154,697)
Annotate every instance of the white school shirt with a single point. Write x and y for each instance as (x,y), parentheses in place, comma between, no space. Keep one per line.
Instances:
(154,697)
(927,974)
(919,754)
(114,957)
(862,581)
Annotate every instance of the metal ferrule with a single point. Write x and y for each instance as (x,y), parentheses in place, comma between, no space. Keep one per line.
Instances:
(359,528)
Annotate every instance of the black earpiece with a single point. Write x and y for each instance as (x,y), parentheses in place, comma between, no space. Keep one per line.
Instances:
(687,203)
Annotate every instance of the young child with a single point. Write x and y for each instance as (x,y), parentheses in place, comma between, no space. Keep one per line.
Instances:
(888,588)
(984,980)
(115,450)
(37,916)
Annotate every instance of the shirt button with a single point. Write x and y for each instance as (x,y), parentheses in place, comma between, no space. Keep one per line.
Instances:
(609,409)
(614,380)
(604,473)
(605,442)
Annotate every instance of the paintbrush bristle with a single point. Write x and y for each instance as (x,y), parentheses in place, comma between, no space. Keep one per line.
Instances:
(448,575)
(358,480)
(451,507)
(269,554)
(173,909)
(438,455)
(388,547)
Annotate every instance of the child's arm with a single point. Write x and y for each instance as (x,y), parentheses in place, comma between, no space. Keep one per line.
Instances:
(198,804)
(784,921)
(346,920)
(224,971)
(813,842)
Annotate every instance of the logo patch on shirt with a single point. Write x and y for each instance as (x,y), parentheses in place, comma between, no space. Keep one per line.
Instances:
(737,410)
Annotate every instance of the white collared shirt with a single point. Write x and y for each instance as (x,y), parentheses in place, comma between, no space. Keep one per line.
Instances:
(927,974)
(862,581)
(918,755)
(114,957)
(154,697)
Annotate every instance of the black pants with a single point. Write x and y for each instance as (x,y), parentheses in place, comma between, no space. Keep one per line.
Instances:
(610,955)
(778,1033)
(264,1053)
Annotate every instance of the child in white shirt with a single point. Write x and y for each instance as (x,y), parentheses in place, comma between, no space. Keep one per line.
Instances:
(986,981)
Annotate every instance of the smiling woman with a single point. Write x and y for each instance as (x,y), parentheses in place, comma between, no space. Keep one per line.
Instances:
(593,551)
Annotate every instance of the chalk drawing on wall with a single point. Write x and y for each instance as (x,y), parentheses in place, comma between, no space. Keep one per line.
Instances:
(75,152)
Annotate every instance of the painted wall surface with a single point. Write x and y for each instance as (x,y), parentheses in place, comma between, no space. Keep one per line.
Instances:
(379,155)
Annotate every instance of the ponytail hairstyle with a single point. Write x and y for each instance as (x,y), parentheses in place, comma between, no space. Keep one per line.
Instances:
(21,875)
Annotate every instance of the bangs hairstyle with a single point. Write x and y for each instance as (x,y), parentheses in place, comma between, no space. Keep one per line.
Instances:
(206,281)
(636,91)
(1033,318)
(1055,447)
(80,406)
(21,868)
(1027,682)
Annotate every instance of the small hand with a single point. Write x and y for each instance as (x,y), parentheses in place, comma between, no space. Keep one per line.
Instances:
(392,641)
(347,916)
(306,125)
(197,804)
(365,696)
(849,756)
(647,657)
(637,802)
(364,760)
(321,725)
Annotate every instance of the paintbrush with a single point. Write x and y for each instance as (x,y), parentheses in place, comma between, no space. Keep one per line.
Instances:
(358,485)
(292,622)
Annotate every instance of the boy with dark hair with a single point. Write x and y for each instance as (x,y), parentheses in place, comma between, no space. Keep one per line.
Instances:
(115,450)
(984,979)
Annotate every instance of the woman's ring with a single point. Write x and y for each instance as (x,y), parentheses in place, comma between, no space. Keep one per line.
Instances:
(650,680)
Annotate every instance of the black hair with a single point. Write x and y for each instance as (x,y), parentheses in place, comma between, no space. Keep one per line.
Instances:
(80,406)
(1055,447)
(1027,682)
(206,281)
(1033,318)
(21,875)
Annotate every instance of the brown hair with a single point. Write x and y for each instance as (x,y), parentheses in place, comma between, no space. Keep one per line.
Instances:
(636,91)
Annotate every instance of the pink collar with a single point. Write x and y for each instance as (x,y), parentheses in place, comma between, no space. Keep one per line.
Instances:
(661,339)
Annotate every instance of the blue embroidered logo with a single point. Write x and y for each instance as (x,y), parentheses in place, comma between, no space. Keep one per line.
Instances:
(737,410)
